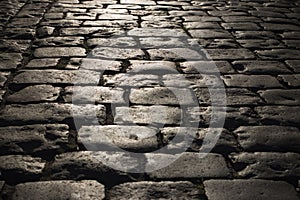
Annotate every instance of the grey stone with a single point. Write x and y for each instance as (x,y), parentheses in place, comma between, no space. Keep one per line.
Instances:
(52,112)
(153,32)
(161,42)
(121,42)
(251,81)
(112,137)
(255,35)
(281,97)
(10,60)
(279,114)
(268,138)
(132,80)
(147,115)
(94,94)
(44,31)
(59,52)
(33,139)
(240,26)
(152,67)
(209,33)
(229,54)
(266,165)
(95,64)
(57,77)
(295,64)
(261,44)
(292,80)
(86,189)
(155,190)
(175,54)
(21,168)
(260,67)
(279,54)
(3,78)
(43,63)
(35,94)
(249,189)
(162,96)
(61,41)
(189,165)
(18,46)
(206,67)
(117,53)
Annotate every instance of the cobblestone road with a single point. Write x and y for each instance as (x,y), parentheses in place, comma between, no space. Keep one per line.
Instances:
(148,46)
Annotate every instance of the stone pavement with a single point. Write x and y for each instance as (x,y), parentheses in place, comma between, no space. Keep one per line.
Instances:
(129,61)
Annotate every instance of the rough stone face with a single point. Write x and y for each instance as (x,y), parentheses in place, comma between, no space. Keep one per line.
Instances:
(153,32)
(152,67)
(189,165)
(92,165)
(279,114)
(3,78)
(117,53)
(94,94)
(59,52)
(60,41)
(260,67)
(279,54)
(17,168)
(251,81)
(35,94)
(268,138)
(295,64)
(292,80)
(249,189)
(147,115)
(95,64)
(43,63)
(175,54)
(57,77)
(10,60)
(52,112)
(136,138)
(229,54)
(132,80)
(281,97)
(155,190)
(209,33)
(162,96)
(87,189)
(18,46)
(266,165)
(120,42)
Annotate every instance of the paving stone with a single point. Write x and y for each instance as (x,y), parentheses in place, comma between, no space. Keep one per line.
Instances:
(240,19)
(43,63)
(292,43)
(18,168)
(59,41)
(19,33)
(279,114)
(59,52)
(261,44)
(255,35)
(86,189)
(132,138)
(202,25)
(117,53)
(153,32)
(81,16)
(226,141)
(205,67)
(281,97)
(112,24)
(18,46)
(61,23)
(161,42)
(155,190)
(117,17)
(294,64)
(52,112)
(265,165)
(249,189)
(209,33)
(218,43)
(34,139)
(281,27)
(162,96)
(94,94)
(152,67)
(260,67)
(251,81)
(88,31)
(292,80)
(240,26)
(69,77)
(147,115)
(35,94)
(91,165)
(189,165)
(268,138)
(279,54)
(290,35)
(201,19)
(10,60)
(142,2)
(48,16)
(241,116)
(120,42)
(229,54)
(132,80)
(24,22)
(175,54)
(95,64)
